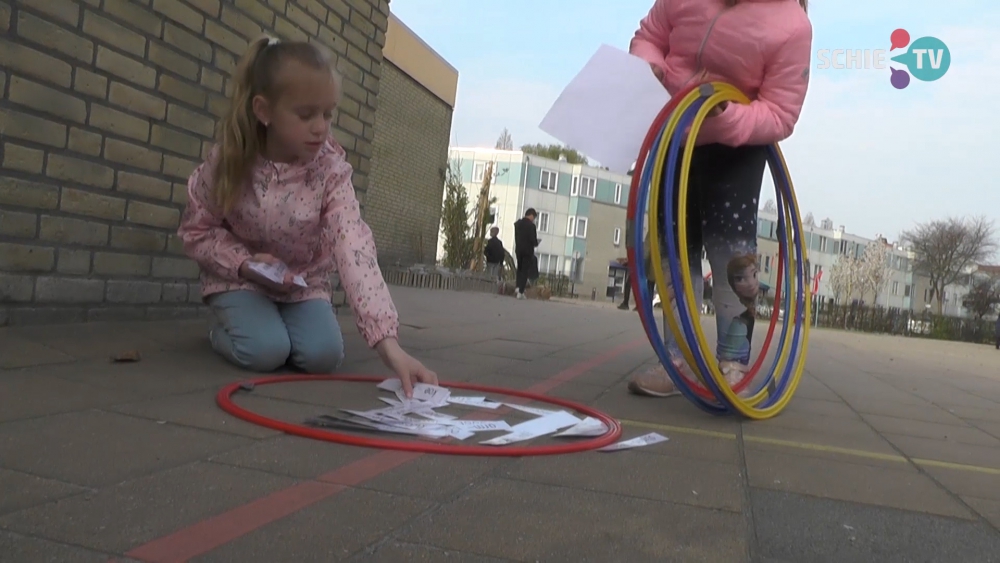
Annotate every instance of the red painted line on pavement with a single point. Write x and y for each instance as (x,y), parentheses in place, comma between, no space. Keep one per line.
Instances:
(209,534)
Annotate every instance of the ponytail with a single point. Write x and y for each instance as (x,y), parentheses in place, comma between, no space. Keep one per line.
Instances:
(241,135)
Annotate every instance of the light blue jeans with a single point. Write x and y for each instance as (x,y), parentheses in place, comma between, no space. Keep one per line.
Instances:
(258,334)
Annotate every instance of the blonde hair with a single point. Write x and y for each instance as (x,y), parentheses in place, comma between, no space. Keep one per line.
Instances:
(803,3)
(241,136)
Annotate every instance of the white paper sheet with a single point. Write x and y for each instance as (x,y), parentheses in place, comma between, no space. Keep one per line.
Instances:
(480,402)
(647,440)
(479,425)
(275,273)
(589,427)
(534,428)
(427,395)
(607,109)
(532,410)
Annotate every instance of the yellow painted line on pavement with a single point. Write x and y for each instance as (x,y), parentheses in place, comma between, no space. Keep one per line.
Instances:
(812,447)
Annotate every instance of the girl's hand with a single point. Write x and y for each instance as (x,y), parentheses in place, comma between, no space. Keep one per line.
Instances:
(657,72)
(717,110)
(405,366)
(249,274)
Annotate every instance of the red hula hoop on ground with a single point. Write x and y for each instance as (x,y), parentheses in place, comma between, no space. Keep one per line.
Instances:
(225,402)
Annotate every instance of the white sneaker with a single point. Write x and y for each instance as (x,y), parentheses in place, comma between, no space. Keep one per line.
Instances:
(521,295)
(734,372)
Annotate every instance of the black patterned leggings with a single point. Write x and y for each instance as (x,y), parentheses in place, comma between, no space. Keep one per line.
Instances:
(723,193)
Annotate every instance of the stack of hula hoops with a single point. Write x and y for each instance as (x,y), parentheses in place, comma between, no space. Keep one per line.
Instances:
(676,128)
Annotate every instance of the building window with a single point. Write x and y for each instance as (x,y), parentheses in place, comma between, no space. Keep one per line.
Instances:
(767,264)
(543,221)
(588,187)
(581,227)
(618,236)
(548,264)
(478,171)
(618,193)
(822,244)
(907,290)
(575,189)
(548,181)
(895,288)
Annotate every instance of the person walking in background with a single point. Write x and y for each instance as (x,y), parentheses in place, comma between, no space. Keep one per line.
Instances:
(627,287)
(494,253)
(525,242)
(996,330)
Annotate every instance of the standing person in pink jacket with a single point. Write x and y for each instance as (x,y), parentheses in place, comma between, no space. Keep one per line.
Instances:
(277,190)
(762,47)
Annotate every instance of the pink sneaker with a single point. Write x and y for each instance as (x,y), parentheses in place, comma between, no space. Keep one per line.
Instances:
(654,382)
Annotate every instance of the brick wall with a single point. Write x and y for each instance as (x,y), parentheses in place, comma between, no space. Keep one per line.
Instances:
(107,107)
(409,157)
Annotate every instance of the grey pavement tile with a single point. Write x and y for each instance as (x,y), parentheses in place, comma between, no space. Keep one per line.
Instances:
(18,352)
(21,491)
(805,529)
(987,508)
(17,548)
(292,456)
(101,340)
(931,430)
(814,423)
(330,530)
(31,393)
(901,487)
(156,375)
(197,409)
(942,450)
(120,518)
(967,482)
(396,552)
(972,414)
(925,412)
(858,438)
(685,444)
(676,411)
(833,407)
(509,349)
(533,522)
(655,477)
(436,477)
(95,449)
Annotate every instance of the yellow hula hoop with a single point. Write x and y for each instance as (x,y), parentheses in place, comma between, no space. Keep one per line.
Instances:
(748,407)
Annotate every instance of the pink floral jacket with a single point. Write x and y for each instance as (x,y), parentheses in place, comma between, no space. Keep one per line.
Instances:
(305,214)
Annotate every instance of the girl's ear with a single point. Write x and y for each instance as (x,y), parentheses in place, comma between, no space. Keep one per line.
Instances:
(262,109)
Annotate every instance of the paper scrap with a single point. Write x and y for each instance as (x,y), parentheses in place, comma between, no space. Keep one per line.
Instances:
(480,402)
(275,272)
(391,385)
(647,440)
(589,427)
(606,110)
(532,410)
(534,428)
(431,395)
(480,425)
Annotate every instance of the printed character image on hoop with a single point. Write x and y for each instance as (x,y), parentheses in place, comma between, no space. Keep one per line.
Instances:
(741,272)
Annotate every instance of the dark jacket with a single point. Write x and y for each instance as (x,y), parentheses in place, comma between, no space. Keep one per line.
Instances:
(525,237)
(494,251)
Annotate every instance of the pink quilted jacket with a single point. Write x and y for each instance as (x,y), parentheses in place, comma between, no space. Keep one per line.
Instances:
(762,47)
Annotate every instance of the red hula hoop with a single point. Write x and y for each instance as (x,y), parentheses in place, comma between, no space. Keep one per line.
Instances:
(225,402)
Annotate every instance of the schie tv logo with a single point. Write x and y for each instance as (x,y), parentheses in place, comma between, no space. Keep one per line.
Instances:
(927,59)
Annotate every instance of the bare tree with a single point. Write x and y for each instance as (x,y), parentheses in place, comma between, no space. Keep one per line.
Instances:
(945,248)
(505,142)
(770,206)
(984,296)
(874,269)
(809,221)
(845,277)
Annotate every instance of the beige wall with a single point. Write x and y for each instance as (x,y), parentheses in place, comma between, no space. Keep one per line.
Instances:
(410,152)
(601,248)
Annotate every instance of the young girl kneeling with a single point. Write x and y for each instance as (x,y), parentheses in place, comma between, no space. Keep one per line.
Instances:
(277,190)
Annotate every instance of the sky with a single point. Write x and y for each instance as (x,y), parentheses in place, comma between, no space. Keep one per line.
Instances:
(865,155)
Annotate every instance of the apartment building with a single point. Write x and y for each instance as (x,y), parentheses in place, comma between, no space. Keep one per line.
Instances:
(581,212)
